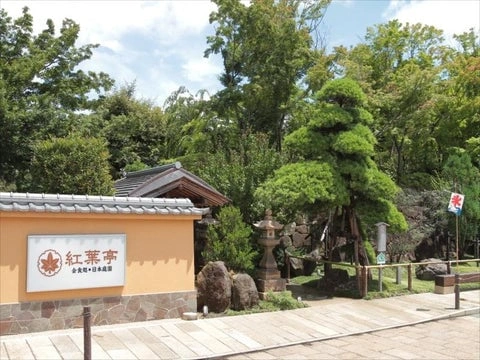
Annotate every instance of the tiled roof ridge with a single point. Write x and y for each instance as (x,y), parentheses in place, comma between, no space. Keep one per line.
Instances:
(36,202)
(154,170)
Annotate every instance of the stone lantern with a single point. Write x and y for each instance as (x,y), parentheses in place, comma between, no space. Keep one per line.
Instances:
(268,275)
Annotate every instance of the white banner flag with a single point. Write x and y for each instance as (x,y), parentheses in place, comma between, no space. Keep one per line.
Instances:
(456,203)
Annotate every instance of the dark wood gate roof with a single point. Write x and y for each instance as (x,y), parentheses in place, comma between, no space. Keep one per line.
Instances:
(169,181)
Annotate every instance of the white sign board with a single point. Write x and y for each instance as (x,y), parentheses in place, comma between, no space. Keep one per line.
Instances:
(381,258)
(66,262)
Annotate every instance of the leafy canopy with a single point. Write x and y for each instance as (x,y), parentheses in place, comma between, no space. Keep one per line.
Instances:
(42,89)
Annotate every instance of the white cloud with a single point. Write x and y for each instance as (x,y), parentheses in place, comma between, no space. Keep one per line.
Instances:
(345,3)
(453,17)
(200,70)
(151,42)
(102,21)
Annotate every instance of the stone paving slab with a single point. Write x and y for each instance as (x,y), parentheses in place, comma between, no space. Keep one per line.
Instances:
(226,336)
(451,338)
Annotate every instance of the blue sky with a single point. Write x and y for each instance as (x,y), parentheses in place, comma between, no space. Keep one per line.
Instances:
(159,44)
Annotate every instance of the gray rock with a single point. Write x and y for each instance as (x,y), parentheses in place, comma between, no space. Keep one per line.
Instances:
(289,229)
(428,271)
(302,229)
(285,241)
(244,292)
(214,287)
(300,240)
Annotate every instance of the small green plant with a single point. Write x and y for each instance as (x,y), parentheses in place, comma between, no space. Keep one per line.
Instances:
(274,301)
(230,241)
(282,301)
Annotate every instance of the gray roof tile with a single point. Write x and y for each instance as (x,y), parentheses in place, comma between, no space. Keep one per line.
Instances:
(97,204)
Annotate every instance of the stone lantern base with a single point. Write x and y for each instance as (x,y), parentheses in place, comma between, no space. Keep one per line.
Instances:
(269,280)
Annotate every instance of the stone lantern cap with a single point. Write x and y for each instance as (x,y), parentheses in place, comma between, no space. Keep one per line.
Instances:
(268,223)
(208,220)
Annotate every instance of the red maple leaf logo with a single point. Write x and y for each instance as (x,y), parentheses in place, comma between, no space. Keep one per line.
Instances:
(49,262)
(456,200)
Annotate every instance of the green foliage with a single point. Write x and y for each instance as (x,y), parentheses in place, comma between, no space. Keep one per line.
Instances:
(345,92)
(359,140)
(424,94)
(5,187)
(382,210)
(72,165)
(339,173)
(265,47)
(283,300)
(135,130)
(299,186)
(370,251)
(403,106)
(275,301)
(329,116)
(230,241)
(42,90)
(137,165)
(389,286)
(238,173)
(305,144)
(465,177)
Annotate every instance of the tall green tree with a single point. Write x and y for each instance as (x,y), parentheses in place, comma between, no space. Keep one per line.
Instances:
(42,89)
(457,111)
(193,128)
(399,66)
(135,129)
(333,168)
(460,175)
(266,51)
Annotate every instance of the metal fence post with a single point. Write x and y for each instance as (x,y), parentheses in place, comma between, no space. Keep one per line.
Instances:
(399,275)
(87,340)
(380,279)
(410,277)
(457,291)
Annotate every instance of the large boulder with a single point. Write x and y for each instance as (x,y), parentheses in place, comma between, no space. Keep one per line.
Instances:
(334,278)
(338,276)
(244,292)
(429,271)
(214,287)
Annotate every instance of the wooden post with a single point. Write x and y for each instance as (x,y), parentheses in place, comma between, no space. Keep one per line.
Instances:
(364,291)
(287,264)
(87,340)
(410,277)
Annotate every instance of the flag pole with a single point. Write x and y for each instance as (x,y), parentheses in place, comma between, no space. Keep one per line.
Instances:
(456,231)
(456,240)
(455,205)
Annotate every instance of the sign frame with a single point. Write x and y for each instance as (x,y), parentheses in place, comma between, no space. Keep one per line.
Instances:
(75,261)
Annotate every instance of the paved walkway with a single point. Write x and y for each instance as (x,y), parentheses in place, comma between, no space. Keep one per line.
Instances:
(226,336)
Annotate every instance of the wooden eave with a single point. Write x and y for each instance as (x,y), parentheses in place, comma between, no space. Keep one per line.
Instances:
(170,182)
